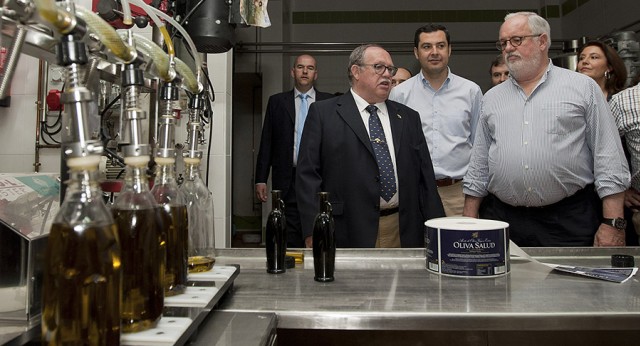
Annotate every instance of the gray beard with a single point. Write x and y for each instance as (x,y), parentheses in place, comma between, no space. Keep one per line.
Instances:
(523,67)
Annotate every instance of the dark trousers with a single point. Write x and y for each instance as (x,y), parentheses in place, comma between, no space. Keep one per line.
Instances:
(572,221)
(294,226)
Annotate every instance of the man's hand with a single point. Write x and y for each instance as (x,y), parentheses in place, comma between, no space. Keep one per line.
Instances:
(261,192)
(632,199)
(609,236)
(308,242)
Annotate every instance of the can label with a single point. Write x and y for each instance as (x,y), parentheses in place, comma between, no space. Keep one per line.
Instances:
(467,253)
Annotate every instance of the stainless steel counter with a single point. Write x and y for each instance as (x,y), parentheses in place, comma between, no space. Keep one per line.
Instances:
(392,290)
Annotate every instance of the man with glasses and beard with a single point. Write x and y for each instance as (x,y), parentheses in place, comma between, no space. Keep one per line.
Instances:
(370,155)
(547,157)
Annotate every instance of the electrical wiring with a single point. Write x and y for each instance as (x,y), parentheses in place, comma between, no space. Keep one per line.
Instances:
(186,17)
(102,115)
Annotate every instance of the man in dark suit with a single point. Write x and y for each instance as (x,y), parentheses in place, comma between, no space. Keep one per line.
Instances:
(377,201)
(280,140)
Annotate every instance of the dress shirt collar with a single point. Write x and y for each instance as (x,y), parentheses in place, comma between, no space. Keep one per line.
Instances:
(311,93)
(362,104)
(426,82)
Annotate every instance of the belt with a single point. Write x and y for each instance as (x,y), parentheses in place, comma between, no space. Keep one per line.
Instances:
(387,212)
(446,182)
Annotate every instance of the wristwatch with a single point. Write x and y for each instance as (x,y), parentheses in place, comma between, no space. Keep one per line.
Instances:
(619,223)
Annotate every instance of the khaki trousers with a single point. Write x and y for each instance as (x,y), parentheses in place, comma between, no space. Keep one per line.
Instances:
(452,199)
(389,231)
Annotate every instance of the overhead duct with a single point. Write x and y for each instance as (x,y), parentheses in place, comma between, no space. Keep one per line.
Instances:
(209,25)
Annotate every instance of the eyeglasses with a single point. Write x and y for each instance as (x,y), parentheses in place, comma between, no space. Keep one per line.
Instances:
(379,69)
(515,41)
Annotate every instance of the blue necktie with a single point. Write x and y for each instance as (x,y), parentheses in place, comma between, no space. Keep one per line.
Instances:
(304,108)
(380,148)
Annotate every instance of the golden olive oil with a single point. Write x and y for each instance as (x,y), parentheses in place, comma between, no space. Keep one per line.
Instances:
(142,240)
(82,286)
(175,280)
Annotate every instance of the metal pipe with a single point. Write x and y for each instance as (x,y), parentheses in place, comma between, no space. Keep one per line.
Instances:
(13,54)
(347,47)
(40,113)
(157,38)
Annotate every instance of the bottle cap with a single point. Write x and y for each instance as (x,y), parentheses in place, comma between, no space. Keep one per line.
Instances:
(622,261)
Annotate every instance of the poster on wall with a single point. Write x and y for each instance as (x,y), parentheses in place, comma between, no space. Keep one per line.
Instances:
(254,12)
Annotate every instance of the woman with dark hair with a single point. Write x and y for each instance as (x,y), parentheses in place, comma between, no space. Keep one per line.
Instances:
(601,62)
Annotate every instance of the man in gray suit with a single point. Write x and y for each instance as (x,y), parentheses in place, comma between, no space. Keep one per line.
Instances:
(370,154)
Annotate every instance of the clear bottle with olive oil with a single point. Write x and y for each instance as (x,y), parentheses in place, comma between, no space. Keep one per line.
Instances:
(200,210)
(166,192)
(82,271)
(142,232)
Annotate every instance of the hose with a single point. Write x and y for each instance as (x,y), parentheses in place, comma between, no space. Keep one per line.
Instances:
(159,58)
(59,18)
(127,19)
(188,78)
(160,61)
(192,46)
(107,34)
(159,24)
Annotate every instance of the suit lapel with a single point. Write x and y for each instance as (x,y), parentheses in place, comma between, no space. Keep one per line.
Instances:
(349,112)
(290,106)
(395,118)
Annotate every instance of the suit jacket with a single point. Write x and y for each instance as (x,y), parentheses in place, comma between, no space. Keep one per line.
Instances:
(276,143)
(336,156)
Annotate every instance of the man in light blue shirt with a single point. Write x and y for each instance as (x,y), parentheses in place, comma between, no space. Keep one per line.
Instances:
(547,157)
(448,105)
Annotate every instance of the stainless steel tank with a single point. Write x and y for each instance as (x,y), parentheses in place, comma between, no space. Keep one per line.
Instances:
(569,56)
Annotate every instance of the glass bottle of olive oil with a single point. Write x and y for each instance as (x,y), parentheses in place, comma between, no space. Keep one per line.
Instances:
(200,210)
(142,233)
(82,269)
(166,192)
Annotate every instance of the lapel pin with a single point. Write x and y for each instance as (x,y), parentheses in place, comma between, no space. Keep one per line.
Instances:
(399,116)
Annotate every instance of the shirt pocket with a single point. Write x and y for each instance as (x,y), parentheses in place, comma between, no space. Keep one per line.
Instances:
(561,118)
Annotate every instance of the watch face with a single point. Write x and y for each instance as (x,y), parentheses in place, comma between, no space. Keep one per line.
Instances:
(620,223)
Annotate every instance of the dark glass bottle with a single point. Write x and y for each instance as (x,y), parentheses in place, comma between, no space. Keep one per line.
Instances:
(142,233)
(82,277)
(276,235)
(166,193)
(324,241)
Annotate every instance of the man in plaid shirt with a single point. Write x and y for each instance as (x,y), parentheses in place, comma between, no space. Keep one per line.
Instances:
(625,107)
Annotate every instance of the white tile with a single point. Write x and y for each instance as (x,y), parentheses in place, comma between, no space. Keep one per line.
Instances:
(18,125)
(15,163)
(219,132)
(25,77)
(222,233)
(220,67)
(50,160)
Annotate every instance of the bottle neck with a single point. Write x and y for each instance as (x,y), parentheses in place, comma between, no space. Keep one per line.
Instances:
(136,179)
(323,205)
(192,171)
(165,174)
(83,184)
(276,201)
